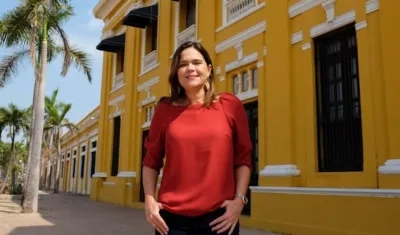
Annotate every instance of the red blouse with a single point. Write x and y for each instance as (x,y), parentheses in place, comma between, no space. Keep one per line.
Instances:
(202,148)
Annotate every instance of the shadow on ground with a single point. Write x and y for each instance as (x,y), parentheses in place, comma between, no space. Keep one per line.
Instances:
(66,214)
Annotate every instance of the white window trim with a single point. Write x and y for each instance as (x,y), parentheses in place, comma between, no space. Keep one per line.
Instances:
(143,49)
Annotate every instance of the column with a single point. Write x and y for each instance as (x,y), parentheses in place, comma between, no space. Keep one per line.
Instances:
(389,173)
(280,169)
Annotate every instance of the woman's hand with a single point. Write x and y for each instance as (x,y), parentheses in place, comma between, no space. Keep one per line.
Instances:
(153,217)
(230,218)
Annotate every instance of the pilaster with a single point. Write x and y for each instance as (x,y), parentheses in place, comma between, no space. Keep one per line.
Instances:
(389,173)
(280,166)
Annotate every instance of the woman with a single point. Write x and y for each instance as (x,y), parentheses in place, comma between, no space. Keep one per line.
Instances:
(206,143)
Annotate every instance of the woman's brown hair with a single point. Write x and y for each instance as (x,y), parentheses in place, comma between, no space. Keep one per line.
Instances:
(177,91)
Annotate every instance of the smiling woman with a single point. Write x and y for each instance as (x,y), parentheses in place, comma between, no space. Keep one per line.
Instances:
(205,138)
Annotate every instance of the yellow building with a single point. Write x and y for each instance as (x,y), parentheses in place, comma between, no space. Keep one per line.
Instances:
(78,157)
(320,83)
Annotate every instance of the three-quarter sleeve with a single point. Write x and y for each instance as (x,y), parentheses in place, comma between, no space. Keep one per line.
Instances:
(155,141)
(241,134)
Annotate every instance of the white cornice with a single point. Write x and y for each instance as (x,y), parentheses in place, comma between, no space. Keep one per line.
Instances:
(104,7)
(242,36)
(116,100)
(297,37)
(302,6)
(148,83)
(371,6)
(338,22)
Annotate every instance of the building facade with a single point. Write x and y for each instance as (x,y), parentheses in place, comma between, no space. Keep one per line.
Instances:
(78,157)
(318,79)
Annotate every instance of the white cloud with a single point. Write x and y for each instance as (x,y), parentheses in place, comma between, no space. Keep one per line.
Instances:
(93,23)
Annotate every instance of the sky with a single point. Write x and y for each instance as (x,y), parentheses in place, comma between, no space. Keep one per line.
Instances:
(84,31)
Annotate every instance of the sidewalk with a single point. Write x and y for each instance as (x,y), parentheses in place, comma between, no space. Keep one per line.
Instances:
(64,214)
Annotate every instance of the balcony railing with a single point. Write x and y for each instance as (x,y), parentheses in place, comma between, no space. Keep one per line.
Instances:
(150,61)
(237,8)
(118,81)
(189,34)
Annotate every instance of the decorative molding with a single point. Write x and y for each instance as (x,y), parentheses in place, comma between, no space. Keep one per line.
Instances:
(242,36)
(338,22)
(297,37)
(109,183)
(104,8)
(148,100)
(329,7)
(247,94)
(361,25)
(239,50)
(240,62)
(116,100)
(328,191)
(260,64)
(99,175)
(222,78)
(280,170)
(127,174)
(218,70)
(306,46)
(391,167)
(148,83)
(371,6)
(302,6)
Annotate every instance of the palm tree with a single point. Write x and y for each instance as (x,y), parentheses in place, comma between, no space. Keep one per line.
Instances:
(56,121)
(15,120)
(34,27)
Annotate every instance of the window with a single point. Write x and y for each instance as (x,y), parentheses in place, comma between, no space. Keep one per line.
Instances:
(245,81)
(115,147)
(149,112)
(187,12)
(120,60)
(187,21)
(144,136)
(73,167)
(83,166)
(236,84)
(93,163)
(254,76)
(151,37)
(339,129)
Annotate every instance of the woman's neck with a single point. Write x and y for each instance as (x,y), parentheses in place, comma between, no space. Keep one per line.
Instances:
(196,97)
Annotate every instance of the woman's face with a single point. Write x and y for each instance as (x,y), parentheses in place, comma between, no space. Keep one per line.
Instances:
(193,70)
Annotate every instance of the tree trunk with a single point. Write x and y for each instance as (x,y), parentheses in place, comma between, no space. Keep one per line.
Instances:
(58,161)
(30,204)
(34,102)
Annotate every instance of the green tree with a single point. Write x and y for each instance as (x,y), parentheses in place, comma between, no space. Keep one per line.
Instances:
(32,28)
(15,120)
(56,120)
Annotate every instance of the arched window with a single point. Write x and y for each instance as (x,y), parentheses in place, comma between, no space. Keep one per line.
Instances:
(245,81)
(235,84)
(254,78)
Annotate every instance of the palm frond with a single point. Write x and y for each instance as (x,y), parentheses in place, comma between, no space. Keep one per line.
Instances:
(10,64)
(82,61)
(15,26)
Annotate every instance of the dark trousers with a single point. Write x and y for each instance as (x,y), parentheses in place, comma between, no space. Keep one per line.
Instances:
(199,225)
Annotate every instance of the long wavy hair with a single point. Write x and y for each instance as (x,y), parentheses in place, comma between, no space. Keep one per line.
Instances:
(177,91)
